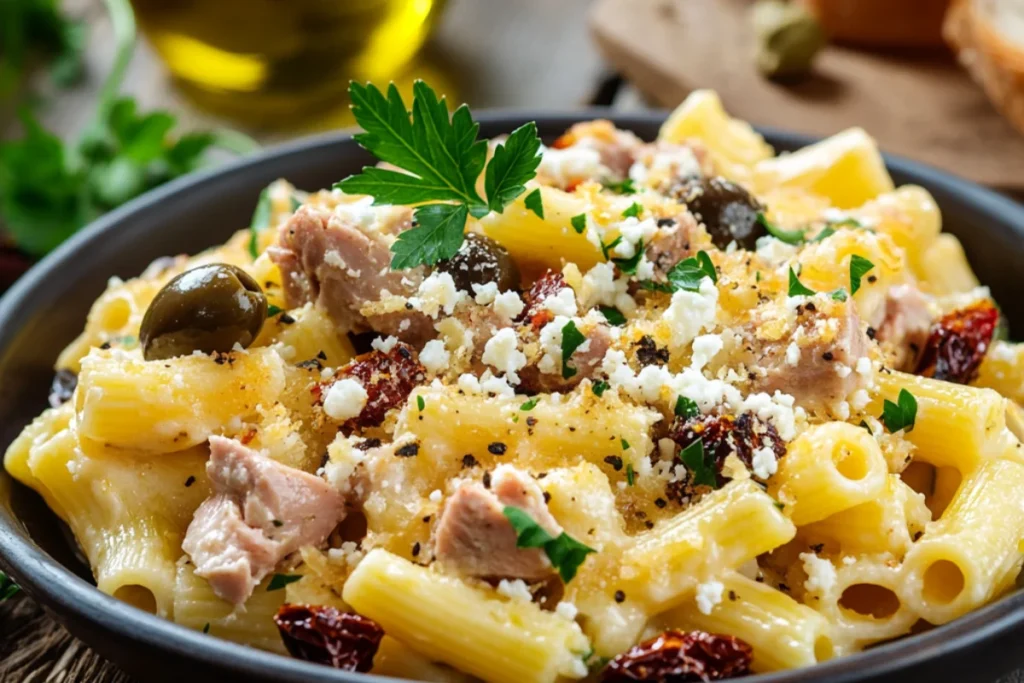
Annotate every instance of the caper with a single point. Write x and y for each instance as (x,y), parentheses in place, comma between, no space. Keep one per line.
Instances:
(209,308)
(727,211)
(481,260)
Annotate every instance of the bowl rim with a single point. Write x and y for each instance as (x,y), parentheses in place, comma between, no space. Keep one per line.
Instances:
(70,596)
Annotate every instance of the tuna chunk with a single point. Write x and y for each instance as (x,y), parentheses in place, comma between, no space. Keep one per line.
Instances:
(260,512)
(586,360)
(341,260)
(817,364)
(475,538)
(905,325)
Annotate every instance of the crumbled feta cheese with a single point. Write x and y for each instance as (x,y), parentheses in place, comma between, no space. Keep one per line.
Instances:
(499,386)
(566,610)
(485,293)
(360,212)
(860,399)
(345,399)
(777,408)
(600,287)
(617,370)
(437,293)
(864,366)
(666,449)
(705,347)
(821,575)
(709,594)
(775,251)
(384,345)
(561,303)
(692,312)
(515,590)
(764,462)
(843,370)
(502,353)
(435,496)
(434,356)
(792,354)
(551,344)
(508,304)
(571,164)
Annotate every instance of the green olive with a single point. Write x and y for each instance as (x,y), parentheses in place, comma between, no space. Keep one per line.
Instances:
(209,308)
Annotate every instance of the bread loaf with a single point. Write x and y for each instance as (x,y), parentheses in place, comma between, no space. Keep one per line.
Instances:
(881,23)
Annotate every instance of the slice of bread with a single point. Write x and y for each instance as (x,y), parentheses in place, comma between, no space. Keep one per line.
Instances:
(881,23)
(988,36)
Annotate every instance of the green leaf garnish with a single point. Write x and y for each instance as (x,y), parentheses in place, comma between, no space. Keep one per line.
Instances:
(686,275)
(625,187)
(534,202)
(630,475)
(599,387)
(279,581)
(629,265)
(848,222)
(825,233)
(838,295)
(530,404)
(693,457)
(859,267)
(579,223)
(420,403)
(900,415)
(273,310)
(260,221)
(633,211)
(625,444)
(781,234)
(565,553)
(613,315)
(796,288)
(686,408)
(607,248)
(572,339)
(441,160)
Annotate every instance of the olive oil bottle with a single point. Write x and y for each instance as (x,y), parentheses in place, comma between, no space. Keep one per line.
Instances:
(275,61)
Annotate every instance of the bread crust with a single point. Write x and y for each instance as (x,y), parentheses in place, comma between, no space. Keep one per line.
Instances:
(881,23)
(995,63)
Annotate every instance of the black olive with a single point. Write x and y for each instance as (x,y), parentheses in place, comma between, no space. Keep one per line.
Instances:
(209,308)
(481,260)
(727,211)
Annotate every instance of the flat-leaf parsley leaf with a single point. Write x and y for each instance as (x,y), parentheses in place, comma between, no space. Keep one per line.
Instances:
(534,202)
(565,552)
(900,415)
(859,267)
(693,457)
(572,339)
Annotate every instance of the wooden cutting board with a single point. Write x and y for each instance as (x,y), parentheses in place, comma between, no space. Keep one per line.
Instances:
(916,104)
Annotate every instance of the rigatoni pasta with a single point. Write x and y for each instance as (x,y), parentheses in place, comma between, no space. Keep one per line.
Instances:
(518,412)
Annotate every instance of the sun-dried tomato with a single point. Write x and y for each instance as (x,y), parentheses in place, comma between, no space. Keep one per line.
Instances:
(325,635)
(677,657)
(725,434)
(549,284)
(957,343)
(388,379)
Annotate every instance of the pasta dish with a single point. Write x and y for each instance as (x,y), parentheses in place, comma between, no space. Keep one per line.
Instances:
(606,409)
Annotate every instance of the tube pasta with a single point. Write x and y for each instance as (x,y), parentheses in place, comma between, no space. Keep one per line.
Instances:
(971,554)
(408,601)
(783,633)
(161,406)
(828,469)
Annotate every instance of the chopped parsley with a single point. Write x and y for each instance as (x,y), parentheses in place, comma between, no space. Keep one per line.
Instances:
(826,232)
(796,288)
(440,160)
(781,234)
(607,248)
(900,415)
(686,408)
(599,387)
(572,339)
(535,203)
(260,222)
(625,444)
(612,315)
(686,275)
(625,187)
(629,265)
(693,457)
(273,310)
(839,295)
(579,223)
(566,553)
(279,581)
(849,221)
(529,405)
(630,475)
(779,506)
(633,211)
(859,267)
(420,403)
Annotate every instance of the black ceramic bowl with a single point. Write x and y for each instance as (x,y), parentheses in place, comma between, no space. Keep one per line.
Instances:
(47,308)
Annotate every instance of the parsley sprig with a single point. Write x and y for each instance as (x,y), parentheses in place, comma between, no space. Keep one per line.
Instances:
(900,415)
(565,552)
(8,589)
(693,457)
(440,159)
(279,581)
(685,275)
(572,339)
(781,234)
